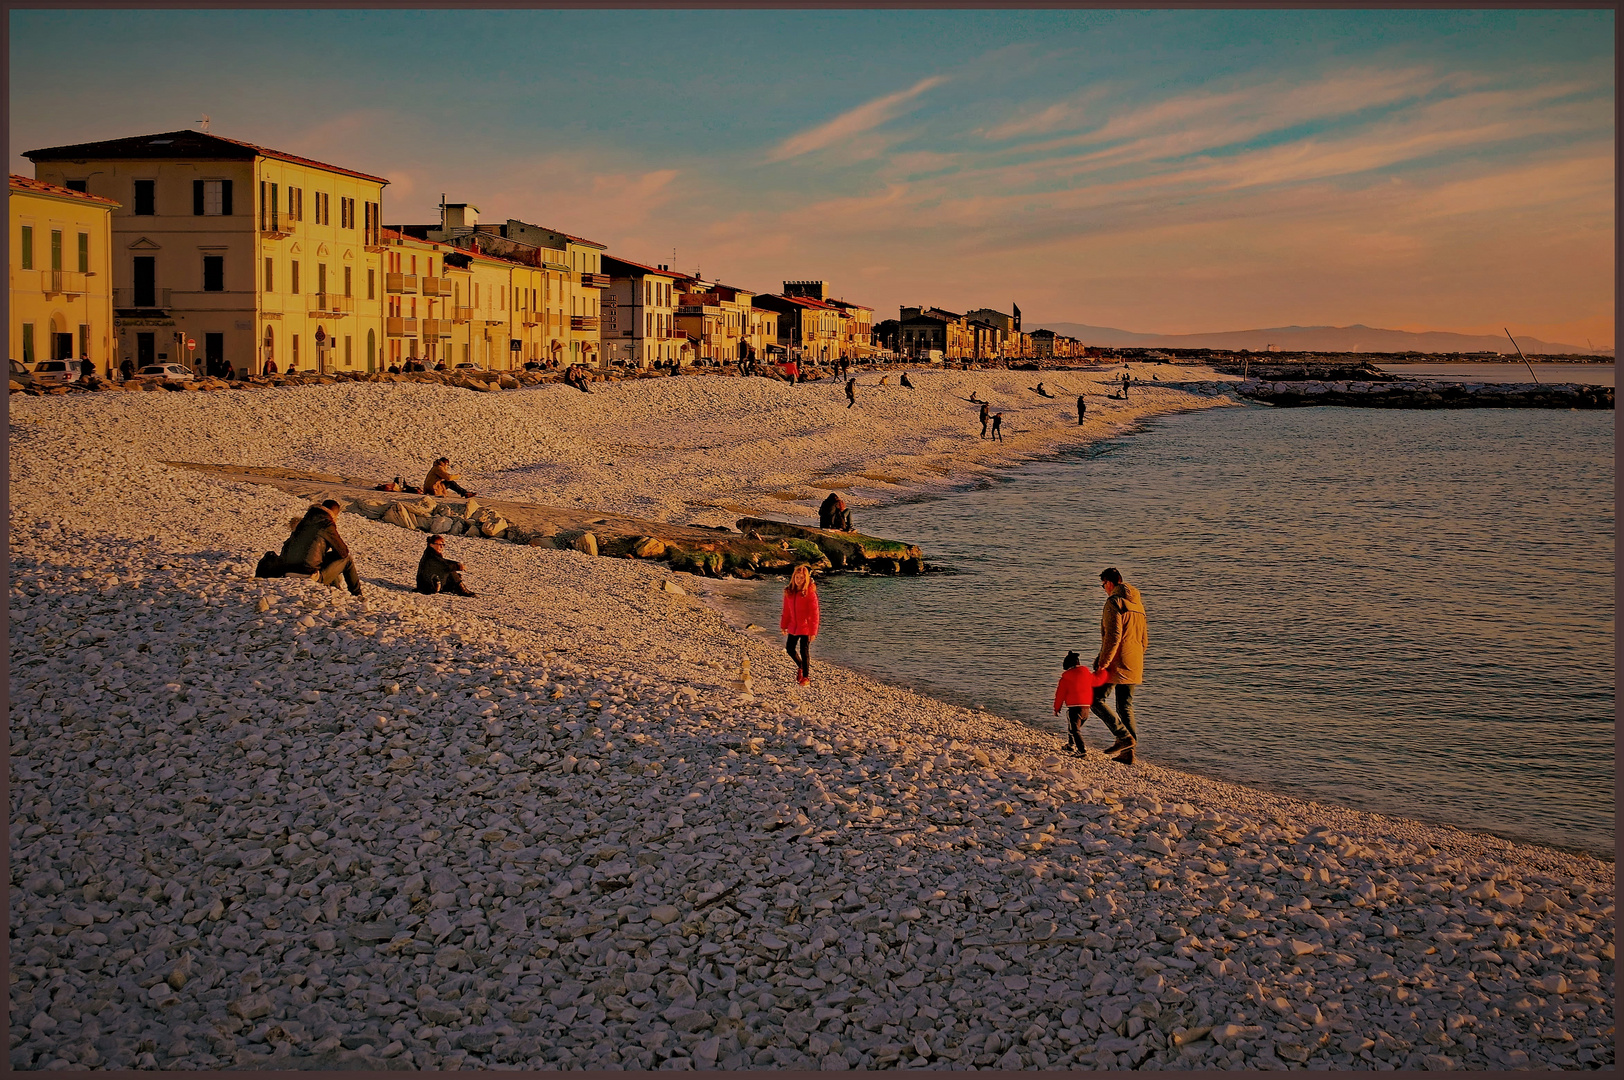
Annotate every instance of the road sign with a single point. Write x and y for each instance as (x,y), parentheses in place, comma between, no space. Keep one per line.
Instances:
(191,343)
(515,344)
(321,335)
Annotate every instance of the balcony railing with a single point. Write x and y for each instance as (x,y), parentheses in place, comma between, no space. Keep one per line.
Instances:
(461,314)
(594,281)
(399,327)
(152,298)
(331,304)
(433,328)
(400,283)
(584,322)
(530,318)
(62,281)
(433,286)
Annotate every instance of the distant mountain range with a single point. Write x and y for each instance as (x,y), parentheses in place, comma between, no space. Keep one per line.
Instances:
(1351,339)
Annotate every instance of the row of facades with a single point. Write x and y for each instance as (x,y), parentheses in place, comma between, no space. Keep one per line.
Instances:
(194,248)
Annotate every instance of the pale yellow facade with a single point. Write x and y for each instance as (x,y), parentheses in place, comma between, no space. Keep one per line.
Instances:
(254,255)
(61,282)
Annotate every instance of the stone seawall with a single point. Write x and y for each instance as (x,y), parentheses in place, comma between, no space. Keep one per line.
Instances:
(1414,394)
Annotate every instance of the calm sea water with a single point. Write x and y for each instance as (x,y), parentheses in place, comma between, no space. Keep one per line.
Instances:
(1587,374)
(1401,611)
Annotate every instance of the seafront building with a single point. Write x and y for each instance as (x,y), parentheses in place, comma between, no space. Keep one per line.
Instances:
(251,253)
(639,314)
(929,329)
(61,274)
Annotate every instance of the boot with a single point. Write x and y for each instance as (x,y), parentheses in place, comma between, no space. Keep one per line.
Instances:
(1126,757)
(1124,742)
(460,590)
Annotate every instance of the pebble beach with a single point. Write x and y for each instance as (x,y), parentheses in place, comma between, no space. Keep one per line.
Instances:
(587,819)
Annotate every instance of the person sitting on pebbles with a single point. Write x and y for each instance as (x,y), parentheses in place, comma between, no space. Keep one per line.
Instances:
(314,548)
(441,478)
(436,573)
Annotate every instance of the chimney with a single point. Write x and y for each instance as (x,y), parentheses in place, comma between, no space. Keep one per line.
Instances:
(455,217)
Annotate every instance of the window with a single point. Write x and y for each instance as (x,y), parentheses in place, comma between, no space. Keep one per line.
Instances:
(293,365)
(56,249)
(214,273)
(346,213)
(372,284)
(145,197)
(28,343)
(144,280)
(347,291)
(211,198)
(270,274)
(321,279)
(84,253)
(348,356)
(78,185)
(293,276)
(28,247)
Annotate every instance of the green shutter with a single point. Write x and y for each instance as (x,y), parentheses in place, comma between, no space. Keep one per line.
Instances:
(84,252)
(28,250)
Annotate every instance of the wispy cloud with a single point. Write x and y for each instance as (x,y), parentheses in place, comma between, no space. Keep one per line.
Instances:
(865,117)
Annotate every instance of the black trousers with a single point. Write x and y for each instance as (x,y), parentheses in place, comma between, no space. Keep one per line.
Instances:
(804,660)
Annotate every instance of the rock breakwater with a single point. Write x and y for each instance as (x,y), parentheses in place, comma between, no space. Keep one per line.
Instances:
(1420,394)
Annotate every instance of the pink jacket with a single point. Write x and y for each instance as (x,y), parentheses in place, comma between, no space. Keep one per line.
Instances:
(1077,687)
(800,614)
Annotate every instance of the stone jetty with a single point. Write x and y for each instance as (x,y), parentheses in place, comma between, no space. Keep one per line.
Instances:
(1411,393)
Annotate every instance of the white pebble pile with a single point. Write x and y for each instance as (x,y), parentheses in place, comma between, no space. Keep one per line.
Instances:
(565,825)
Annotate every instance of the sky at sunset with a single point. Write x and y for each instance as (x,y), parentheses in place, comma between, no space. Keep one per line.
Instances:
(1158,171)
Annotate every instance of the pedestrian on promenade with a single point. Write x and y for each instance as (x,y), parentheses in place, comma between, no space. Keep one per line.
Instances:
(791,371)
(1123,637)
(985,417)
(851,392)
(1076,693)
(799,621)
(1082,410)
(126,370)
(436,573)
(998,426)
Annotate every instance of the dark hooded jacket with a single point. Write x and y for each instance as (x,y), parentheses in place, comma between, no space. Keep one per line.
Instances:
(312,538)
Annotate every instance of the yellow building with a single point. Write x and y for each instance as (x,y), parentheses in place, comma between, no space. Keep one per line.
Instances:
(255,254)
(61,274)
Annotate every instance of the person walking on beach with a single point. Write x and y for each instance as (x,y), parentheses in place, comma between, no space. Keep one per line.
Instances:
(851,392)
(436,573)
(1123,637)
(998,426)
(985,417)
(1082,410)
(800,621)
(1076,693)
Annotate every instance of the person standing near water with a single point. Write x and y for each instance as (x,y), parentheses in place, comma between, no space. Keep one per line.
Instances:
(1076,693)
(799,621)
(1123,638)
(1082,410)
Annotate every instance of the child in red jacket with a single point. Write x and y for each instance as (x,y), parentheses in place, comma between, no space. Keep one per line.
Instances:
(800,621)
(1076,692)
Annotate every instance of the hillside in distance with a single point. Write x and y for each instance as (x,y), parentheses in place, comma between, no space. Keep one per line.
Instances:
(1314,339)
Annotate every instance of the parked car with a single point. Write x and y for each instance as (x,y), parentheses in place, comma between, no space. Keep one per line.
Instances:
(21,374)
(465,365)
(163,373)
(56,372)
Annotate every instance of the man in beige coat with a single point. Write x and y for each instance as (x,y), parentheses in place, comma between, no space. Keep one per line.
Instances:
(1122,657)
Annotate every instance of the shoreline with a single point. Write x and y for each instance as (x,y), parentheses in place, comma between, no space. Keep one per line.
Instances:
(556,825)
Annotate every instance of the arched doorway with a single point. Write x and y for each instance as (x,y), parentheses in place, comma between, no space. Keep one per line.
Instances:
(372,351)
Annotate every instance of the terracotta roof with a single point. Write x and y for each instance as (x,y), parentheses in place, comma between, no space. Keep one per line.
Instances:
(645,267)
(40,187)
(181,144)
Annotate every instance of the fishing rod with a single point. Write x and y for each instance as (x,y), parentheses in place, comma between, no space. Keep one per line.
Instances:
(1526,364)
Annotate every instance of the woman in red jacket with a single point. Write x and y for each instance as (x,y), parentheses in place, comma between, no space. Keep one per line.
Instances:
(800,621)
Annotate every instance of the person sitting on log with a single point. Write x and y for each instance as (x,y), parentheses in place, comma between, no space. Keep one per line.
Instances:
(436,573)
(441,478)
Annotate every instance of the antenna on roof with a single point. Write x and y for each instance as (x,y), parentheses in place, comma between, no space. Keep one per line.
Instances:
(204,122)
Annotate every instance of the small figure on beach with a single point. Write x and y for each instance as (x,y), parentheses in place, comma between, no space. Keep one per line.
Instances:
(905,381)
(851,392)
(126,370)
(792,372)
(314,548)
(436,573)
(998,426)
(1040,391)
(1076,693)
(1123,637)
(1125,382)
(974,400)
(799,621)
(441,478)
(1082,410)
(576,377)
(394,485)
(832,514)
(985,418)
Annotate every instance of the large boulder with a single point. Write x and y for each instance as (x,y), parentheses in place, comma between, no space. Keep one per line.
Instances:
(843,549)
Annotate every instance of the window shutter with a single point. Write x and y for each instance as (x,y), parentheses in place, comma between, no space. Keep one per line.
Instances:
(197,198)
(225,197)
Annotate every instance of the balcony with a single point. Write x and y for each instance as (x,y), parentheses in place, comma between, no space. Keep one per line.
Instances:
(531,318)
(152,299)
(400,283)
(68,282)
(434,286)
(331,304)
(594,281)
(584,322)
(461,314)
(398,327)
(436,328)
